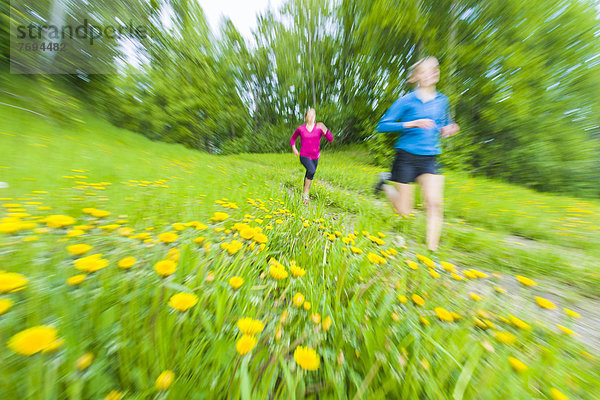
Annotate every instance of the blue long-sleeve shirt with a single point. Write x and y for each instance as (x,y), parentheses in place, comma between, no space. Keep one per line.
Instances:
(409,108)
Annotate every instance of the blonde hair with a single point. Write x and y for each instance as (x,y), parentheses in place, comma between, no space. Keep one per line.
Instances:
(307,111)
(410,78)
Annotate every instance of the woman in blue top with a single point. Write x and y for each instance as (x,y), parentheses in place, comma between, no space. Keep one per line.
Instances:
(421,117)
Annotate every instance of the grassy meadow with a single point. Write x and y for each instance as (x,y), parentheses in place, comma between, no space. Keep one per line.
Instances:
(332,300)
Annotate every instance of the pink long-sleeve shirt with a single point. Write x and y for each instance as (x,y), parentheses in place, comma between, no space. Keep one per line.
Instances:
(310,140)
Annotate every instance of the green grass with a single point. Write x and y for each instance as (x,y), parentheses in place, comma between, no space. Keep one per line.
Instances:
(377,347)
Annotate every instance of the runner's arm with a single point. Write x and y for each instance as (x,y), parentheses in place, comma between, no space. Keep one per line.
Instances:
(294,136)
(390,122)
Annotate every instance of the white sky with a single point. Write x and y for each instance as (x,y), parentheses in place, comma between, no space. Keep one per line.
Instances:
(241,12)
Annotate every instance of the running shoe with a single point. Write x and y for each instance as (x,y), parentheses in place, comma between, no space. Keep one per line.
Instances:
(384,176)
(305,200)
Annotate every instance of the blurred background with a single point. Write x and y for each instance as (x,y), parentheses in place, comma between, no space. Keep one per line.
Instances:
(523,77)
(133,265)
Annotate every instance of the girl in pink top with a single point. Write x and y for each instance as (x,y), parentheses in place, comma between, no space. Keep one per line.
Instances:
(310,140)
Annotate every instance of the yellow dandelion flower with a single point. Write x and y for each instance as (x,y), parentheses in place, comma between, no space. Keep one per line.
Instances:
(544,303)
(84,361)
(183,301)
(402,298)
(505,337)
(199,240)
(470,274)
(232,247)
(557,394)
(376,240)
(260,238)
(278,332)
(110,227)
(127,262)
(278,272)
(525,281)
(565,330)
(249,326)
(475,296)
(78,249)
(587,355)
(33,340)
(76,279)
(327,323)
(448,266)
(376,259)
(298,300)
(443,314)
(219,216)
(307,358)
(165,267)
(236,282)
(164,380)
(125,231)
(247,233)
(412,265)
(59,221)
(114,395)
(245,344)
(178,226)
(90,264)
(12,282)
(572,313)
(418,300)
(433,273)
(479,274)
(424,321)
(480,323)
(517,365)
(518,323)
(99,213)
(426,260)
(75,232)
(355,250)
(10,227)
(5,305)
(168,237)
(306,305)
(297,271)
(457,277)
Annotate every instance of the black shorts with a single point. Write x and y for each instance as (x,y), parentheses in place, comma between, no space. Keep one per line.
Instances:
(407,166)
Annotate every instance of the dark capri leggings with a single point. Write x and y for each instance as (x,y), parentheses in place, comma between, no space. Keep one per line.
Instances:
(310,165)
